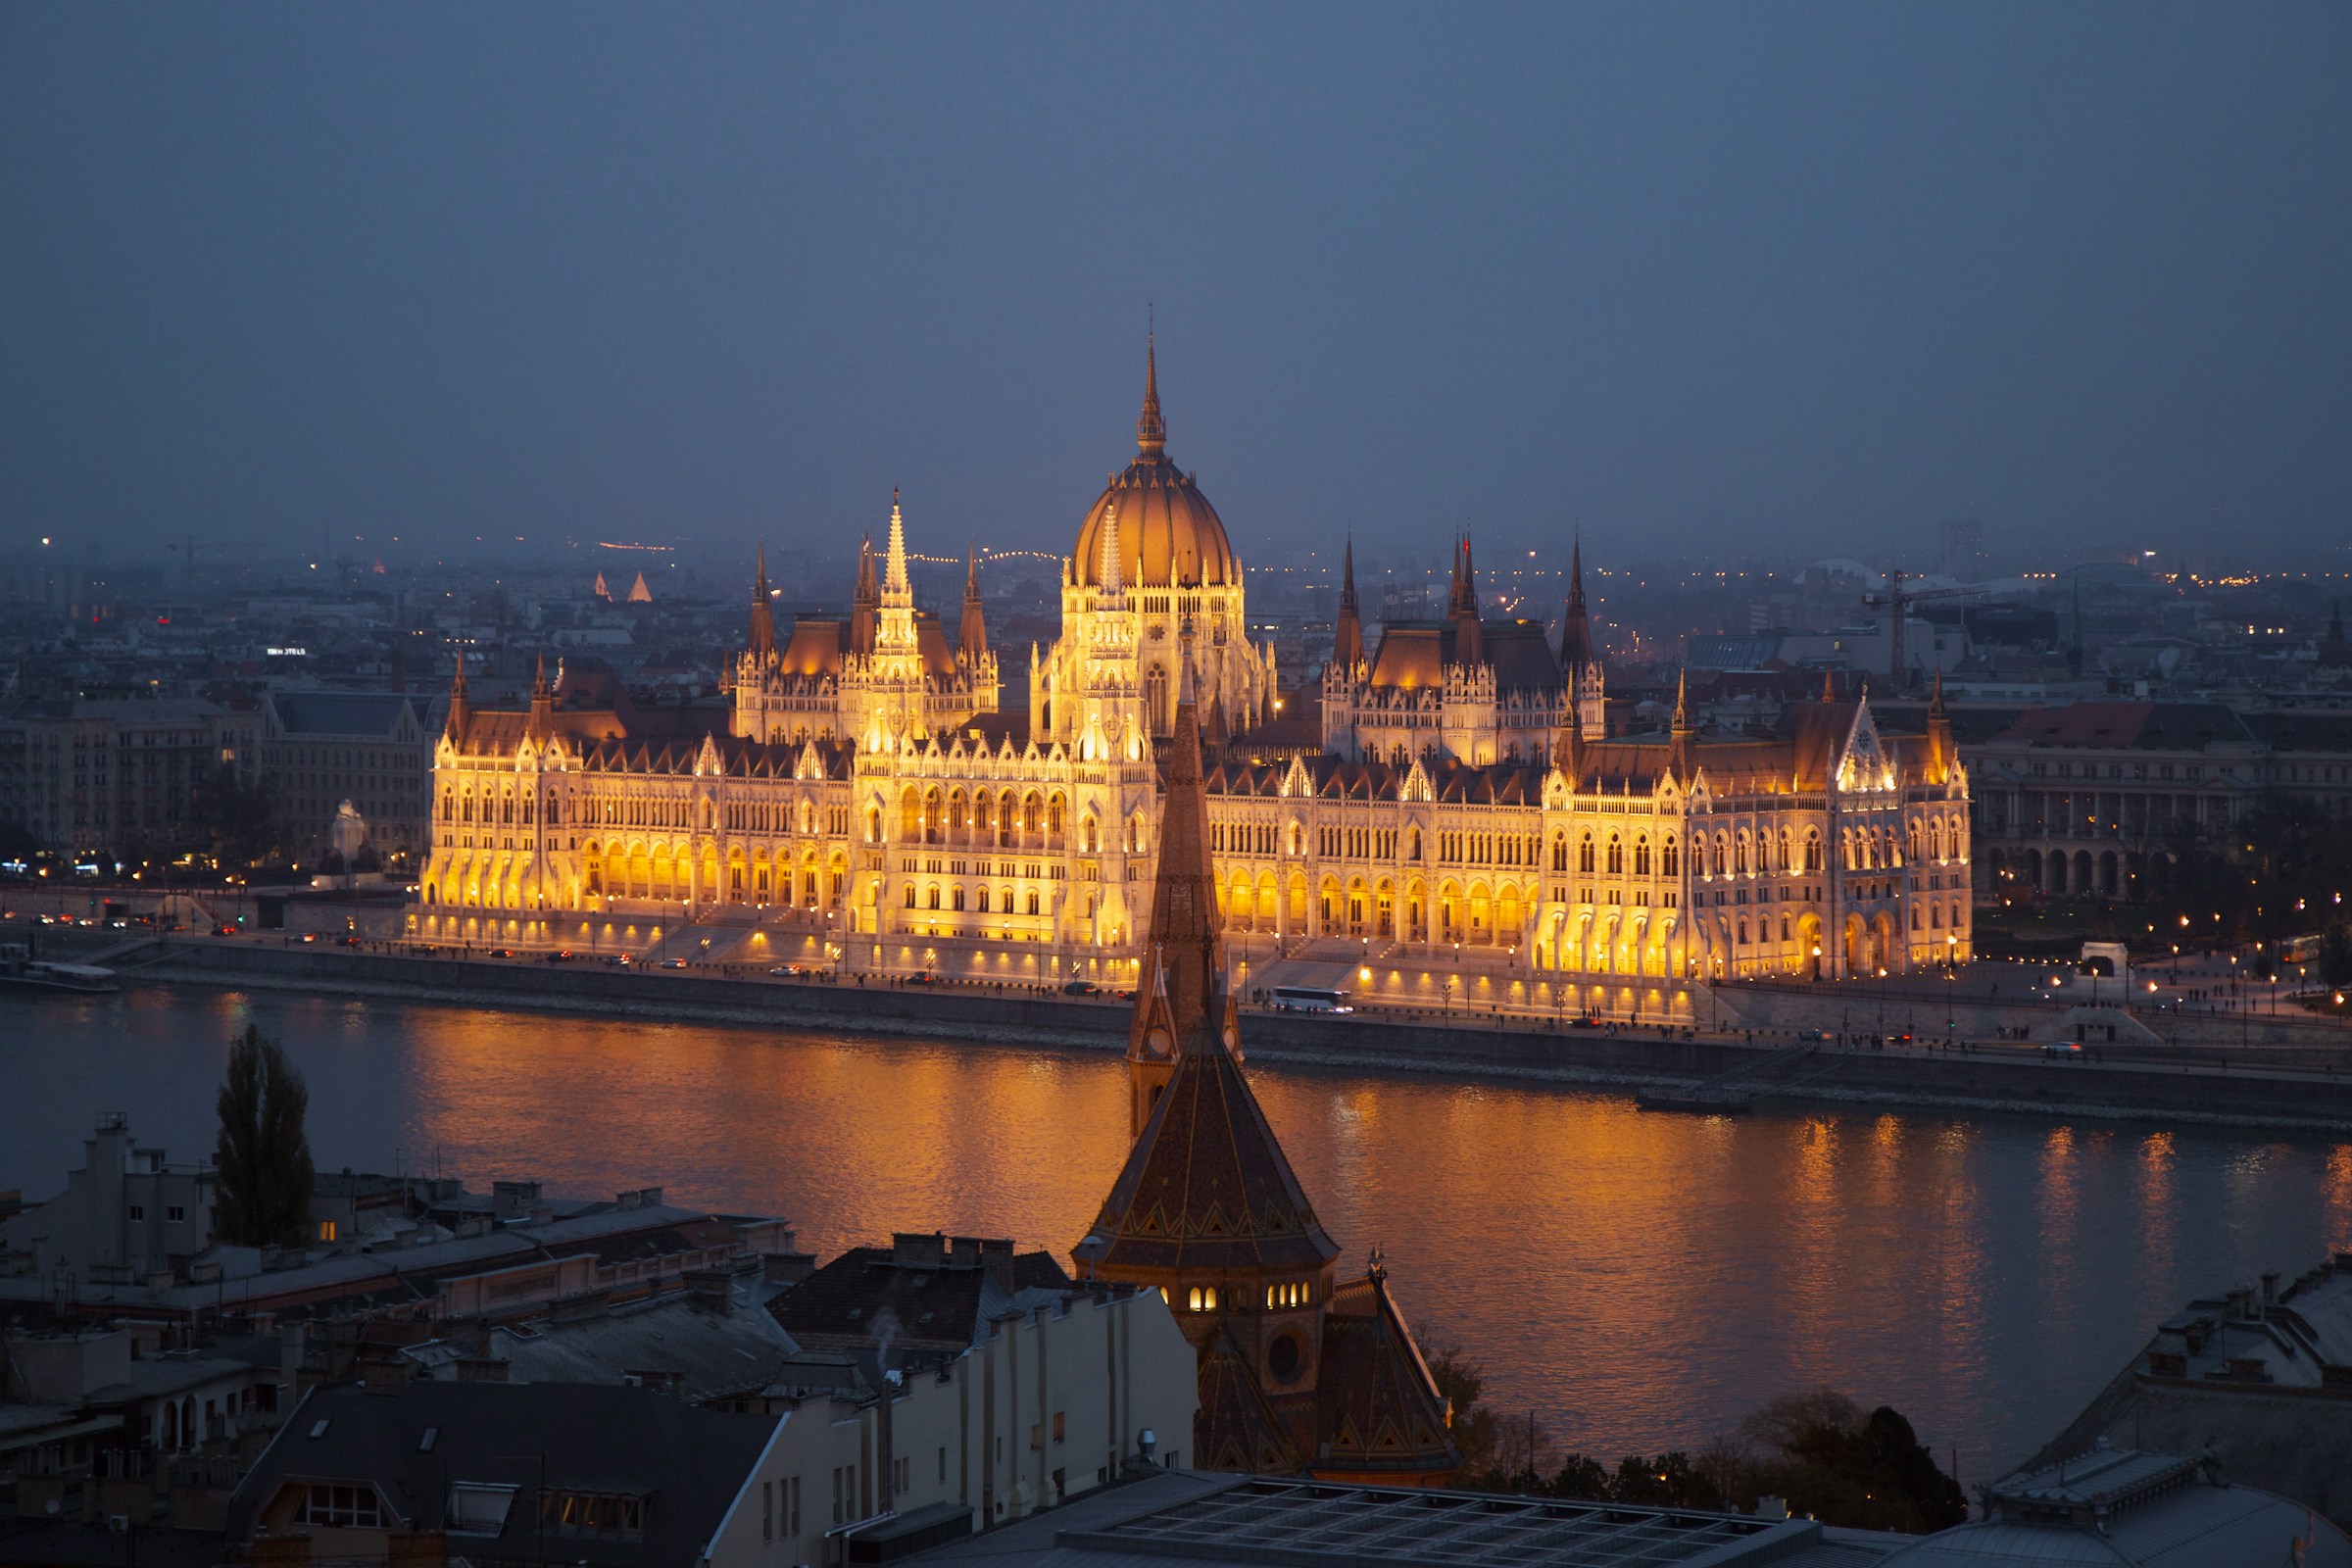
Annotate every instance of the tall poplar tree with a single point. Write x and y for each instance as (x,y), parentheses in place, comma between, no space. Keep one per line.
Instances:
(264,1158)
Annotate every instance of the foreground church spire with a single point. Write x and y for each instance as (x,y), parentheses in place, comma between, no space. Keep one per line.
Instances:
(1297,1370)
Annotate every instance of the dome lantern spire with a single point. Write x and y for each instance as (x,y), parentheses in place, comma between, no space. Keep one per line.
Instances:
(1150,430)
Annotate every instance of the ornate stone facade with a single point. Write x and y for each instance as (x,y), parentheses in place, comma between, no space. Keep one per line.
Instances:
(1465,794)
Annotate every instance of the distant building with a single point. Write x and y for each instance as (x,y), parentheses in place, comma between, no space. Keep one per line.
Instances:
(88,777)
(2098,799)
(372,749)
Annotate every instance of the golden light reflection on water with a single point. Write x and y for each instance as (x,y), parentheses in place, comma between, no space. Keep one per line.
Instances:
(1640,1279)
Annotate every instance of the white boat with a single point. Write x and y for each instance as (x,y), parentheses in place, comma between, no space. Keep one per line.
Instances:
(50,975)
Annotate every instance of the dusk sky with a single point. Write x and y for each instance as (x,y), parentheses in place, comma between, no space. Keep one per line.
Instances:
(1700,280)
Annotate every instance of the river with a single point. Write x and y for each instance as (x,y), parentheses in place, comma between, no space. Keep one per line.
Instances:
(1637,1280)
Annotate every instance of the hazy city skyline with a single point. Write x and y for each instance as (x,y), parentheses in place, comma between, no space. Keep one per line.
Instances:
(1815,277)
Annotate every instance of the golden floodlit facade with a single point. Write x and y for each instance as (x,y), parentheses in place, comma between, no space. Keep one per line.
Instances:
(1460,794)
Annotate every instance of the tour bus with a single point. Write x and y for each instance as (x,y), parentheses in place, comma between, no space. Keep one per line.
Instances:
(1310,998)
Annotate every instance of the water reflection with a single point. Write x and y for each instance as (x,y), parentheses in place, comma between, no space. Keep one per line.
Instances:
(1641,1280)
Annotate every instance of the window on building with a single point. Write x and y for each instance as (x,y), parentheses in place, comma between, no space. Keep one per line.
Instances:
(477,1509)
(177,1214)
(345,1507)
(138,1214)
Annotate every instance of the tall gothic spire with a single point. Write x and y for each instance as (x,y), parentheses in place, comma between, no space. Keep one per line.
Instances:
(893,579)
(1682,752)
(1150,430)
(1575,624)
(1348,647)
(1940,737)
(972,633)
(762,641)
(543,702)
(1462,608)
(863,599)
(461,710)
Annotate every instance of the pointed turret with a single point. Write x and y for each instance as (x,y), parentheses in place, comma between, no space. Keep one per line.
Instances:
(1681,735)
(543,702)
(1348,646)
(1828,684)
(762,644)
(461,710)
(1576,623)
(863,601)
(639,593)
(895,585)
(1941,755)
(972,633)
(1462,610)
(601,590)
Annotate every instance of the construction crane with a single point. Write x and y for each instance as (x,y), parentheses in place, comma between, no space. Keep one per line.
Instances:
(187,550)
(1897,603)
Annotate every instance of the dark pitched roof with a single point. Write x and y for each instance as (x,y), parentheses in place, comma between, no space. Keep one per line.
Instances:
(1234,1428)
(1206,1186)
(688,1463)
(816,647)
(1522,659)
(1376,1405)
(375,715)
(867,1295)
(2142,726)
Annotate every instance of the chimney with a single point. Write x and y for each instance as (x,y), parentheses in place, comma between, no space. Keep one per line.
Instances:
(995,1256)
(888,1475)
(918,1250)
(2269,1286)
(713,1288)
(787,1268)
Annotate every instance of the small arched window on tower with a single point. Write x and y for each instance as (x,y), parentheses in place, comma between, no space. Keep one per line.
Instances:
(1583,854)
(1642,856)
(1193,1299)
(1812,851)
(1616,856)
(1671,858)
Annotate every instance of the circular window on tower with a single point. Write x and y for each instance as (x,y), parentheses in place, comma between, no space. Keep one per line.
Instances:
(1282,1357)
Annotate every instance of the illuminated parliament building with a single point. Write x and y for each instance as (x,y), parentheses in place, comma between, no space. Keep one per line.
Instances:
(1467,792)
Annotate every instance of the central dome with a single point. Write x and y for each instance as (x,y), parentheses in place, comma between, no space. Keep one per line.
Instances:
(1169,535)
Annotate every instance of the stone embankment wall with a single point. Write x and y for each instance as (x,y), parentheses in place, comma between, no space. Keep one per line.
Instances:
(2148,1082)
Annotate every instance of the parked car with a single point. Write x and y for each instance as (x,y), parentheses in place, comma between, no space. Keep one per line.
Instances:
(2063,1048)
